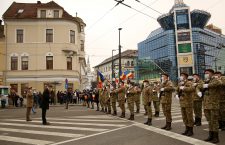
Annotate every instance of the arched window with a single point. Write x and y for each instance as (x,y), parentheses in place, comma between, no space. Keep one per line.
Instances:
(132,63)
(128,63)
(24,61)
(49,61)
(14,61)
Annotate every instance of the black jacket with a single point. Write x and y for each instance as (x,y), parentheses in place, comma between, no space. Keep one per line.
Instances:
(45,99)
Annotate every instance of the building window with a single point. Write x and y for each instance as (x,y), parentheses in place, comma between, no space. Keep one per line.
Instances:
(56,13)
(72,36)
(24,62)
(69,63)
(82,45)
(43,13)
(24,89)
(19,36)
(14,63)
(49,35)
(49,62)
(82,28)
(132,63)
(128,63)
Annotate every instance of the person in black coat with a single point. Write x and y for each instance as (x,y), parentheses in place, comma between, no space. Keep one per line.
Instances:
(45,105)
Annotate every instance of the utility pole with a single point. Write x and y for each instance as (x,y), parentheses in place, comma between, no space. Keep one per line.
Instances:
(113,76)
(120,67)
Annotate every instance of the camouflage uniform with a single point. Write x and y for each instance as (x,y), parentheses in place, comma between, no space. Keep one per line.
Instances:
(145,103)
(197,104)
(186,104)
(130,92)
(156,101)
(106,100)
(147,94)
(101,99)
(211,97)
(121,91)
(166,101)
(113,97)
(222,104)
(137,98)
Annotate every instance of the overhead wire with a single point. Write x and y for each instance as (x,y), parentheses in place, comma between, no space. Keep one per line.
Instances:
(147,6)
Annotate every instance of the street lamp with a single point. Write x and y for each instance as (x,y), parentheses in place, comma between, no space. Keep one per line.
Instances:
(120,68)
(113,76)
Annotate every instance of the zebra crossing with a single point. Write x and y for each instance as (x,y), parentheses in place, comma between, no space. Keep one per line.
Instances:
(18,131)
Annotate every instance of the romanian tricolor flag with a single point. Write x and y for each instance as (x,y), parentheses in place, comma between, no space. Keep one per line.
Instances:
(100,79)
(130,75)
(124,75)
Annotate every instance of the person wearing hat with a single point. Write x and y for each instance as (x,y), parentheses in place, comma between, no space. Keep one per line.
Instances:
(147,94)
(130,93)
(30,101)
(165,96)
(197,100)
(144,98)
(137,97)
(211,95)
(218,75)
(186,91)
(121,91)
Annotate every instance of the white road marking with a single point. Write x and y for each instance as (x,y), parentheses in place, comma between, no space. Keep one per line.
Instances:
(173,135)
(54,127)
(84,120)
(24,140)
(173,117)
(41,132)
(94,116)
(63,142)
(71,123)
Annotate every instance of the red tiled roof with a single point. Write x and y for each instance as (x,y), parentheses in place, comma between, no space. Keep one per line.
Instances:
(30,11)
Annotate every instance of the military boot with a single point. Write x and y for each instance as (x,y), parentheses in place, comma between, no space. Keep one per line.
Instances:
(186,131)
(149,122)
(164,127)
(223,126)
(215,137)
(190,131)
(122,115)
(114,113)
(168,126)
(131,117)
(156,114)
(210,137)
(199,122)
(138,111)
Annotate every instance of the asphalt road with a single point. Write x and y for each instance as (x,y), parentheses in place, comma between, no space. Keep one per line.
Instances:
(81,125)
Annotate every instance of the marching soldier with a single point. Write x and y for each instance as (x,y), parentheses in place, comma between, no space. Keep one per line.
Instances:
(185,94)
(218,75)
(165,96)
(105,98)
(210,93)
(113,97)
(147,94)
(121,91)
(155,99)
(101,99)
(144,100)
(197,100)
(130,92)
(137,98)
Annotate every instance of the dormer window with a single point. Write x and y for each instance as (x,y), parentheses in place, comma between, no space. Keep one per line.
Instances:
(43,13)
(82,28)
(20,11)
(56,13)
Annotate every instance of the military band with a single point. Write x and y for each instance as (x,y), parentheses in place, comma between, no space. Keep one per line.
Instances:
(193,93)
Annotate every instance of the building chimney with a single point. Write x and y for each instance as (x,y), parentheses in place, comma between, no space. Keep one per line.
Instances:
(38,2)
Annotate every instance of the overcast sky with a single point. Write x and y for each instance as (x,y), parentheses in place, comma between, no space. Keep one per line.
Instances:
(103,21)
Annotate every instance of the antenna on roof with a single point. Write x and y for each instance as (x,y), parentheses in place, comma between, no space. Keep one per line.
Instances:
(76,14)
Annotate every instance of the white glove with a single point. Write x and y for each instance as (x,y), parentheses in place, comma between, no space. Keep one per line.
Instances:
(162,89)
(205,86)
(181,87)
(177,97)
(128,92)
(199,94)
(158,95)
(194,84)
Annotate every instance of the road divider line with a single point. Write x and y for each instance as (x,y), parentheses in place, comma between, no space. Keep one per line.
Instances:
(41,132)
(24,140)
(55,127)
(71,123)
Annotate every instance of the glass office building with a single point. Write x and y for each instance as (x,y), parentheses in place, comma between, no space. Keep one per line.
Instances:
(182,44)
